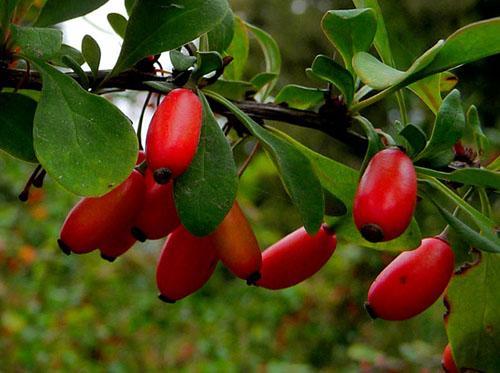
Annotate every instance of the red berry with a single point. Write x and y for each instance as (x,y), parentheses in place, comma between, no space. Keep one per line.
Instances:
(237,246)
(173,134)
(295,258)
(115,246)
(447,361)
(412,282)
(93,220)
(186,263)
(157,217)
(386,196)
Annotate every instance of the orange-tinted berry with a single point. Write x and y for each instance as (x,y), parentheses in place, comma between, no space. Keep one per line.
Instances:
(185,265)
(447,361)
(386,196)
(295,258)
(412,282)
(237,246)
(173,134)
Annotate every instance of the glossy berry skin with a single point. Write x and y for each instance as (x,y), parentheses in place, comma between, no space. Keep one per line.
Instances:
(116,246)
(158,216)
(173,134)
(295,258)
(412,282)
(447,361)
(237,246)
(185,265)
(92,221)
(386,196)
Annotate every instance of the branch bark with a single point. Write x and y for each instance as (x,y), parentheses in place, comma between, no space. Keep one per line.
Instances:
(135,80)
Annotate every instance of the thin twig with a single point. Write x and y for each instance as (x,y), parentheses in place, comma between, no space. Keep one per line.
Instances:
(141,118)
(247,161)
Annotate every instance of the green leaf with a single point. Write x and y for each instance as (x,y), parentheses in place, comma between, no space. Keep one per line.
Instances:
(238,49)
(205,193)
(220,37)
(207,62)
(415,137)
(473,131)
(129,4)
(37,42)
(494,165)
(67,50)
(55,11)
(341,181)
(272,57)
(72,64)
(350,31)
(16,125)
(378,75)
(448,81)
(83,141)
(181,61)
(448,127)
(231,89)
(473,320)
(156,26)
(295,169)
(261,79)
(327,69)
(374,143)
(118,23)
(481,177)
(429,91)
(92,53)
(381,40)
(468,44)
(298,97)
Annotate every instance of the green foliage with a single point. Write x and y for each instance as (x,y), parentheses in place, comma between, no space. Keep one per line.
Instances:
(327,69)
(55,11)
(298,97)
(91,53)
(37,42)
(238,49)
(83,141)
(204,194)
(220,37)
(118,23)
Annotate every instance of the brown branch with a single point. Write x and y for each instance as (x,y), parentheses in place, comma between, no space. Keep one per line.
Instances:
(325,121)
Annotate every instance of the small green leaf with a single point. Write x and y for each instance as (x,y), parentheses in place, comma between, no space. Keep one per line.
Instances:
(494,165)
(156,26)
(73,65)
(378,75)
(473,131)
(238,49)
(341,181)
(207,62)
(374,143)
(448,127)
(415,137)
(42,43)
(231,89)
(261,79)
(298,97)
(83,141)
(55,11)
(129,4)
(181,61)
(118,23)
(381,40)
(220,37)
(327,69)
(16,125)
(67,50)
(295,169)
(468,44)
(350,31)
(92,53)
(429,91)
(205,193)
(272,57)
(473,320)
(164,87)
(481,177)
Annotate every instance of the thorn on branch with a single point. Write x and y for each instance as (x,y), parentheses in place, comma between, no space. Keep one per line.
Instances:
(24,195)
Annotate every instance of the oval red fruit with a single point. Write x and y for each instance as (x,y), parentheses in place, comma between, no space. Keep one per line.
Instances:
(158,216)
(237,246)
(447,361)
(173,134)
(118,245)
(93,220)
(386,196)
(412,282)
(295,258)
(185,265)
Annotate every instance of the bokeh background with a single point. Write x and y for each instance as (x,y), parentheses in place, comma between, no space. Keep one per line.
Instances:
(60,313)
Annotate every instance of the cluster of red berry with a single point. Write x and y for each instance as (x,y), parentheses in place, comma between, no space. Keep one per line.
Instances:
(143,207)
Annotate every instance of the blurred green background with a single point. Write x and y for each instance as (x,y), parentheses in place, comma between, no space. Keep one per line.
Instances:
(60,313)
